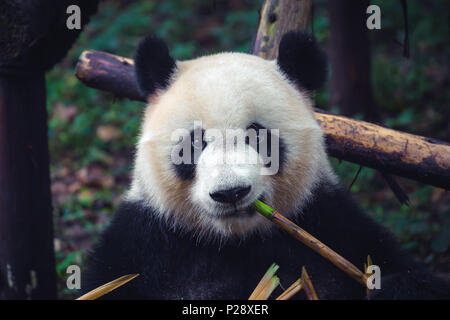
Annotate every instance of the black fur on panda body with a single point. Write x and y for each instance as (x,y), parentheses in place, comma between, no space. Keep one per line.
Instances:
(173,265)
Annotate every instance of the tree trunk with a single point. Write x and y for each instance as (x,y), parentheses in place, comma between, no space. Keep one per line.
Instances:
(350,87)
(34,37)
(276,18)
(27,263)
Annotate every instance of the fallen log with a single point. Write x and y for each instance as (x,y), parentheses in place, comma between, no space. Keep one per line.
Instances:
(419,158)
(108,72)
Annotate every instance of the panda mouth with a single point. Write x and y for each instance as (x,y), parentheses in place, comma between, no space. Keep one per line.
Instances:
(239,213)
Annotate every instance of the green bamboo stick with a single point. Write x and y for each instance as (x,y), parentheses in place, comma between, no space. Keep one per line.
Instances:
(310,241)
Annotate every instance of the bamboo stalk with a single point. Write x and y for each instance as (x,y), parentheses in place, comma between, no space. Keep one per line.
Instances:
(291,291)
(311,242)
(308,286)
(107,287)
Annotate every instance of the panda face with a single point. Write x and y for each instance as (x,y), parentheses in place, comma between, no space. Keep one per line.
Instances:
(228,129)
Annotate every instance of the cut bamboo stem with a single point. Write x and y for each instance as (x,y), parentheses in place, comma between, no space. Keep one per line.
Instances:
(308,286)
(268,288)
(311,242)
(265,283)
(107,287)
(291,291)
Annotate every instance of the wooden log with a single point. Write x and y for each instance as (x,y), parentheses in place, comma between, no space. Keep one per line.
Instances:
(108,72)
(411,156)
(419,158)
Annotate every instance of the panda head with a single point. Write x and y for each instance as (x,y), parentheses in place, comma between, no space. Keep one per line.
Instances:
(223,130)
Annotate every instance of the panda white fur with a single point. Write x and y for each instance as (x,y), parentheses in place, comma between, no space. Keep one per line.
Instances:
(190,231)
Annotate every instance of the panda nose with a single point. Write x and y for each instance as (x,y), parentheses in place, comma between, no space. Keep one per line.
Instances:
(230,195)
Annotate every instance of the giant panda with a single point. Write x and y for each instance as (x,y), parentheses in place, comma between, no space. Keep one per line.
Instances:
(189,228)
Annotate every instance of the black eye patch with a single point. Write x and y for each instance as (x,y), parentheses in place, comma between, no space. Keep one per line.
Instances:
(267,140)
(186,170)
(257,128)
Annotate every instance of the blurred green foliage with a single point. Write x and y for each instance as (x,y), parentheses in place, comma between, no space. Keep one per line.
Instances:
(412,94)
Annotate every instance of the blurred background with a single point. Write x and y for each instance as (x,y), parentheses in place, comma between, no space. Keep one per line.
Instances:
(92,133)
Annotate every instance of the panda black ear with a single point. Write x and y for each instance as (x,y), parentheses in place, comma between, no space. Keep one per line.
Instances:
(153,65)
(302,60)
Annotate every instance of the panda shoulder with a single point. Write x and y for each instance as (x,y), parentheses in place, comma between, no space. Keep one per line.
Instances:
(132,220)
(134,226)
